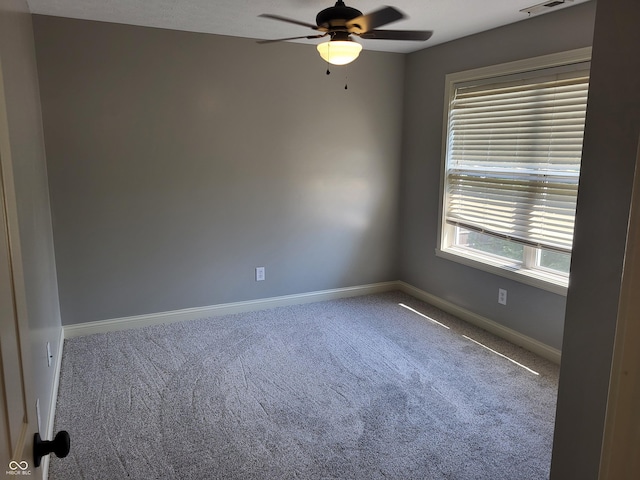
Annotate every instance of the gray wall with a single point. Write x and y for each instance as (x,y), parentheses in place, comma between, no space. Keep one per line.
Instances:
(531,311)
(178,162)
(26,156)
(609,160)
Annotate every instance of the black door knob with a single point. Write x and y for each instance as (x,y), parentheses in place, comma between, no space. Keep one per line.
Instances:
(60,445)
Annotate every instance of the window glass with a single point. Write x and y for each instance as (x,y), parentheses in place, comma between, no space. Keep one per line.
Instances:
(489,244)
(557,261)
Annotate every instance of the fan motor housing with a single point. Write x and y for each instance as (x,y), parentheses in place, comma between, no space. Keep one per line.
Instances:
(336,16)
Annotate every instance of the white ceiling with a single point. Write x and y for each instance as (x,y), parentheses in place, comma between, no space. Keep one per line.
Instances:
(449,19)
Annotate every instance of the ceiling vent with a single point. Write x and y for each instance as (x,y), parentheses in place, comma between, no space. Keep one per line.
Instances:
(544,6)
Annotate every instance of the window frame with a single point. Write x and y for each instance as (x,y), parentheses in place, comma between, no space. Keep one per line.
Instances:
(540,277)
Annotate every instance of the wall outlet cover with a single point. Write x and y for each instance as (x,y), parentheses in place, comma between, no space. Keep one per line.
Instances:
(502,296)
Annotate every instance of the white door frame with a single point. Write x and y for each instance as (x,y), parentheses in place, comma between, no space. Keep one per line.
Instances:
(13,401)
(621,444)
(16,407)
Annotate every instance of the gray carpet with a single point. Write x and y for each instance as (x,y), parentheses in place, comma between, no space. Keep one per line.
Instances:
(358,388)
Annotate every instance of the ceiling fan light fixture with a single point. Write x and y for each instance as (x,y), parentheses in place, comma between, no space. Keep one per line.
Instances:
(339,52)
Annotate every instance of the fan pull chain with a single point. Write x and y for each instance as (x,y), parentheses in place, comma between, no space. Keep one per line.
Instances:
(328,56)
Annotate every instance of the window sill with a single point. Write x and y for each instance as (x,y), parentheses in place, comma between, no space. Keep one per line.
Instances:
(535,278)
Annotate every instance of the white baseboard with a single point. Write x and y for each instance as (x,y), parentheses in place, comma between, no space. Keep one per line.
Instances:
(125,323)
(497,329)
(103,326)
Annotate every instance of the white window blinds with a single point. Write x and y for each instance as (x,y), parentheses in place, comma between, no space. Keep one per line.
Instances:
(513,157)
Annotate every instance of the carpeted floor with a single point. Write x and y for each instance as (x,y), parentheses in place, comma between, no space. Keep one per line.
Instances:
(358,388)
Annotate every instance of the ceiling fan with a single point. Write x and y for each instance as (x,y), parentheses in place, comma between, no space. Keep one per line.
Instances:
(340,22)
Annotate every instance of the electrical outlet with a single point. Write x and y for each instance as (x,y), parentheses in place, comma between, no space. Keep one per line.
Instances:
(260,274)
(49,356)
(502,296)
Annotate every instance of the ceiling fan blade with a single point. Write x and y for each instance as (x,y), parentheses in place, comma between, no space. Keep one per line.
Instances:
(373,20)
(292,38)
(417,35)
(289,20)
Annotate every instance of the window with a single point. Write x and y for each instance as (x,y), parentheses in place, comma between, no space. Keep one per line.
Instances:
(512,151)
